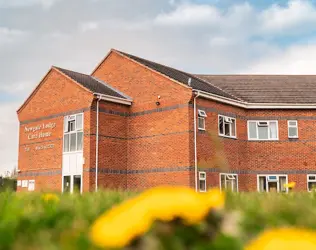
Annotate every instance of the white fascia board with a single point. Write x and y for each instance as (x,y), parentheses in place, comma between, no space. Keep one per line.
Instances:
(114,99)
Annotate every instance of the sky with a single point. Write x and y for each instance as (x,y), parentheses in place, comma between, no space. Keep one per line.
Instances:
(198,36)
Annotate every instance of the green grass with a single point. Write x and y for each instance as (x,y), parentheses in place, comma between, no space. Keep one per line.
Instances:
(28,222)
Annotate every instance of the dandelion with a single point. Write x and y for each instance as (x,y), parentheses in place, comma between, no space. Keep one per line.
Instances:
(50,197)
(123,223)
(290,185)
(284,239)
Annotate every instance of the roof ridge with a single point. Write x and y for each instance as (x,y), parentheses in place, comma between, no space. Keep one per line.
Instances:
(189,75)
(219,88)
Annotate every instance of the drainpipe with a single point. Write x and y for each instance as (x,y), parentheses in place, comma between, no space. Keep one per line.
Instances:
(195,143)
(97,146)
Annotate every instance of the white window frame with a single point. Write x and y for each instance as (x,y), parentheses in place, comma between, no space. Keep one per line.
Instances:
(223,135)
(202,179)
(257,122)
(308,181)
(230,176)
(292,126)
(30,187)
(201,116)
(76,131)
(278,180)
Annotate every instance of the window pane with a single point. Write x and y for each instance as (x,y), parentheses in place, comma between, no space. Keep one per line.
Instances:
(221,125)
(252,127)
(263,133)
(73,144)
(312,177)
(262,184)
(77,183)
(79,122)
(282,181)
(227,129)
(273,130)
(201,123)
(79,140)
(202,185)
(223,178)
(273,187)
(292,132)
(66,184)
(71,126)
(233,131)
(66,143)
(292,123)
(311,186)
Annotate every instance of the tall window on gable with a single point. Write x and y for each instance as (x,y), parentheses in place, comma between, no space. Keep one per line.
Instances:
(73,133)
(263,130)
(292,129)
(227,126)
(201,119)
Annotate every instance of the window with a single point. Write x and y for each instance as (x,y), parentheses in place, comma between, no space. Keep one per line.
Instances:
(201,119)
(263,130)
(73,133)
(311,183)
(272,183)
(292,129)
(229,182)
(202,181)
(31,185)
(227,126)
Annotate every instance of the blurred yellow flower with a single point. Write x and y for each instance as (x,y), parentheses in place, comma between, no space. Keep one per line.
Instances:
(50,197)
(290,185)
(284,239)
(134,217)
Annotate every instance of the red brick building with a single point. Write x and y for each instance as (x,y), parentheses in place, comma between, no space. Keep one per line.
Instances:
(134,124)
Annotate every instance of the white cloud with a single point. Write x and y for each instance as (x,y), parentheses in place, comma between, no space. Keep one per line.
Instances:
(15,88)
(9,135)
(10,35)
(297,59)
(46,4)
(88,26)
(295,14)
(189,14)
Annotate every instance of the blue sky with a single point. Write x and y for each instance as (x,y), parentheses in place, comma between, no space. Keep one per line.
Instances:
(199,36)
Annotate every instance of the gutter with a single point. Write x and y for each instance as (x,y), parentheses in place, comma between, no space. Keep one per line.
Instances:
(195,142)
(248,105)
(97,146)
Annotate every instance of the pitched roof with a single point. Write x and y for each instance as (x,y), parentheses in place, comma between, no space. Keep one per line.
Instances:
(93,84)
(288,89)
(180,76)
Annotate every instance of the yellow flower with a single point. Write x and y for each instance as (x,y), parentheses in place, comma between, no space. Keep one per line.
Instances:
(50,197)
(285,239)
(134,217)
(290,185)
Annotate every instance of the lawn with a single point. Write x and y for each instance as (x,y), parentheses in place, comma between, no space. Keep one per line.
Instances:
(27,221)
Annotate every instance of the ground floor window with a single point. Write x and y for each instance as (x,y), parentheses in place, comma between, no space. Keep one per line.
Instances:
(72,183)
(311,182)
(272,183)
(202,181)
(229,182)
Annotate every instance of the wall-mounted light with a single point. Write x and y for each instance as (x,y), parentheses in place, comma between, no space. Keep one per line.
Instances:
(157,102)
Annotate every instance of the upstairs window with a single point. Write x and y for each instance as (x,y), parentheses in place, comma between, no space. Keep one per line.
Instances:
(201,119)
(73,133)
(262,130)
(292,129)
(202,181)
(227,126)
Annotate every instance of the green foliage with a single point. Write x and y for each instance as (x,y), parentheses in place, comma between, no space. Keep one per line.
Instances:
(29,222)
(7,184)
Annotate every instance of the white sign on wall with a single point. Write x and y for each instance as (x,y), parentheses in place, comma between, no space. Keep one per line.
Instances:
(24,183)
(19,183)
(31,185)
